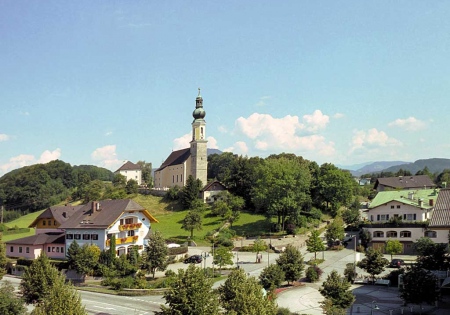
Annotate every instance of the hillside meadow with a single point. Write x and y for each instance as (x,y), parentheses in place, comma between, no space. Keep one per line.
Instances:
(170,217)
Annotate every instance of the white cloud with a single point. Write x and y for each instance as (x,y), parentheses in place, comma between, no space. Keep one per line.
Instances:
(182,142)
(28,159)
(287,133)
(222,129)
(409,124)
(372,139)
(338,116)
(212,143)
(48,156)
(239,147)
(106,157)
(4,137)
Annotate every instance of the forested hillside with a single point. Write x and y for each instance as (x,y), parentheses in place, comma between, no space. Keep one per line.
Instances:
(38,186)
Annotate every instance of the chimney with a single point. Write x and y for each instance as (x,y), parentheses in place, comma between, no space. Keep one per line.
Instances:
(420,202)
(431,202)
(95,206)
(411,195)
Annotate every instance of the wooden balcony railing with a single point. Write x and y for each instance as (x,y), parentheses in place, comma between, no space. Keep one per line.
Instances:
(124,240)
(131,226)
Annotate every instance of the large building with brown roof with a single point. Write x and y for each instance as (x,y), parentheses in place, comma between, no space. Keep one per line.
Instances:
(180,164)
(93,223)
(404,182)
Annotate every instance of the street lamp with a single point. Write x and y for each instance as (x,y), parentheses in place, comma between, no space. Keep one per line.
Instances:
(374,307)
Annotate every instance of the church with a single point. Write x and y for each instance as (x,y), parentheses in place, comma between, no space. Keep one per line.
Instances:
(175,170)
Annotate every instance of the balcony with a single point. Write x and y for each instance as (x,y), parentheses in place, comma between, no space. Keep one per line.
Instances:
(124,240)
(131,226)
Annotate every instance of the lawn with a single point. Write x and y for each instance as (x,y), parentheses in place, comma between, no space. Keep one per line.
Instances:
(22,222)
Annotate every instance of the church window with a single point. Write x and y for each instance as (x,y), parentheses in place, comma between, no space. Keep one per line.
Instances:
(177,178)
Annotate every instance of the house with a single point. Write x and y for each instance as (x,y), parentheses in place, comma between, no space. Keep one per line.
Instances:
(175,170)
(210,193)
(96,223)
(439,227)
(400,215)
(92,223)
(404,182)
(131,171)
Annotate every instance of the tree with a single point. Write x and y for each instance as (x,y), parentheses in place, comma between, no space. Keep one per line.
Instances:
(94,191)
(192,221)
(337,290)
(132,187)
(314,244)
(87,259)
(9,303)
(3,260)
(243,295)
(374,262)
(62,298)
(146,169)
(271,277)
(38,279)
(365,238)
(330,309)
(431,256)
(393,247)
(222,256)
(424,246)
(351,215)
(72,253)
(350,272)
(155,254)
(291,262)
(190,293)
(335,231)
(119,181)
(190,192)
(419,286)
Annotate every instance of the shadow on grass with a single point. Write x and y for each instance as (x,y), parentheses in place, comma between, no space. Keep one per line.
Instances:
(252,229)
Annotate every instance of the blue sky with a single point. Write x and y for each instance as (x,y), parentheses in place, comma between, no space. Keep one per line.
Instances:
(101,82)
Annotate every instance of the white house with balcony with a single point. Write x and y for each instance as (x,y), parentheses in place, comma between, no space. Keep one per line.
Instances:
(401,215)
(97,222)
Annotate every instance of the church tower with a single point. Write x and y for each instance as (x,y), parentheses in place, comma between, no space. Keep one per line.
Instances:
(199,163)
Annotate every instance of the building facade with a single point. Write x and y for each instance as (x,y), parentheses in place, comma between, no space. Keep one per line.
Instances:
(131,171)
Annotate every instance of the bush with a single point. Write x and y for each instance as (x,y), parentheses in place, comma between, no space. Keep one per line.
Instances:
(360,249)
(337,247)
(284,311)
(314,262)
(313,273)
(177,250)
(291,229)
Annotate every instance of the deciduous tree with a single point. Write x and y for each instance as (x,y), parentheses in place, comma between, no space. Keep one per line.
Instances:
(291,262)
(155,257)
(374,262)
(335,231)
(192,221)
(271,277)
(419,286)
(243,295)
(132,187)
(314,243)
(190,293)
(222,256)
(393,247)
(337,290)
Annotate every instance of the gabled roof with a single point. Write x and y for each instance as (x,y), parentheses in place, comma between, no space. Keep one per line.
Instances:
(441,213)
(109,211)
(409,197)
(59,213)
(39,239)
(175,158)
(128,166)
(214,185)
(418,181)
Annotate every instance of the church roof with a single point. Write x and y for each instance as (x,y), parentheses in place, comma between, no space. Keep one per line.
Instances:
(129,166)
(176,157)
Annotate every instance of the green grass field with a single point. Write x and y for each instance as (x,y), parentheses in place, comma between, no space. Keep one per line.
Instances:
(169,216)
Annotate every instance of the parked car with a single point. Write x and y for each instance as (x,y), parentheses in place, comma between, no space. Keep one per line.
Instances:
(194,259)
(396,263)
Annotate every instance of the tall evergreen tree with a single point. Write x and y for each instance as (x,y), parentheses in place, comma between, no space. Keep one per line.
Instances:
(314,244)
(61,299)
(72,253)
(337,289)
(10,304)
(291,262)
(190,192)
(38,279)
(243,295)
(155,257)
(190,293)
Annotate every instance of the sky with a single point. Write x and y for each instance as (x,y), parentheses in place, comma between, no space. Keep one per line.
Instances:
(342,82)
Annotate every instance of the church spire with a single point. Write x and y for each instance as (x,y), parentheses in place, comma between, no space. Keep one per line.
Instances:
(199,112)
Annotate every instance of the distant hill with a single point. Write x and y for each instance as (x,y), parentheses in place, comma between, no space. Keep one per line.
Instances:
(375,167)
(214,151)
(434,165)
